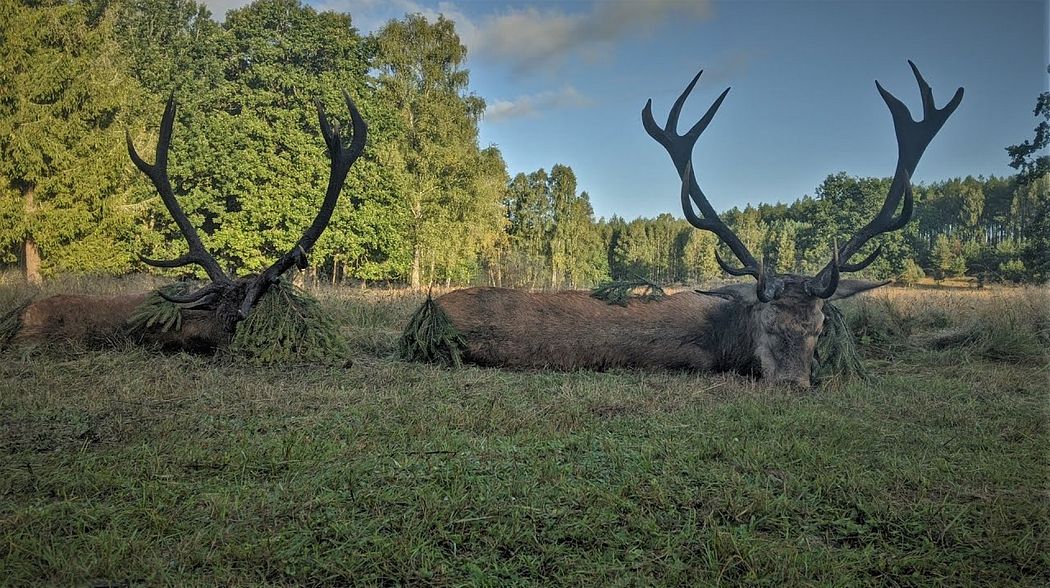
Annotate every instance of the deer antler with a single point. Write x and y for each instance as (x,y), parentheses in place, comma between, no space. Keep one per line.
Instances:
(342,158)
(680,148)
(253,288)
(912,139)
(158,174)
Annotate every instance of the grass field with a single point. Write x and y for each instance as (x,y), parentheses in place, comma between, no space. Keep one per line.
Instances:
(125,467)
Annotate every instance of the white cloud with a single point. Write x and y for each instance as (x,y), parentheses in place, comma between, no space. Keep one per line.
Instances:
(534,38)
(534,104)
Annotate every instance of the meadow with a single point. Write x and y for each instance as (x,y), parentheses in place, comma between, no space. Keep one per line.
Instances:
(124,466)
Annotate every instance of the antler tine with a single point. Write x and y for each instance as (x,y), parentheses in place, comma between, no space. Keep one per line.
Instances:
(856,267)
(912,139)
(212,288)
(730,269)
(158,174)
(360,129)
(680,148)
(341,160)
(819,289)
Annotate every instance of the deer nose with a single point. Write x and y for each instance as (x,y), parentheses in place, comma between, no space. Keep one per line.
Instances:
(798,382)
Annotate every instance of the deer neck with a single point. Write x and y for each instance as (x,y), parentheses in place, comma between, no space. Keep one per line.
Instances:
(730,334)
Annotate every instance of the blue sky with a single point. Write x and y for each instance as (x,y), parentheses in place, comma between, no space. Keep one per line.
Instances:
(565,82)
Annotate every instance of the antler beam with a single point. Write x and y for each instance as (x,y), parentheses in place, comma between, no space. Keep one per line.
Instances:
(912,139)
(158,174)
(680,148)
(341,160)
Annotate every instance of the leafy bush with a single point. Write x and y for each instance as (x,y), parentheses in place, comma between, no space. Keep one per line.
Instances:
(911,274)
(1013,271)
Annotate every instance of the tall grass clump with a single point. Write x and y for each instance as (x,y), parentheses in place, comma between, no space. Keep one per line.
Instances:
(1006,324)
(875,321)
(1013,330)
(372,319)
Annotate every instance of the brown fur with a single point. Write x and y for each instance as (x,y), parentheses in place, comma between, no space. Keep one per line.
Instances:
(567,330)
(726,331)
(99,319)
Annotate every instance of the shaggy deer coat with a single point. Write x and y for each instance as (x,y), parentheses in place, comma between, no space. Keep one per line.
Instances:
(725,330)
(100,319)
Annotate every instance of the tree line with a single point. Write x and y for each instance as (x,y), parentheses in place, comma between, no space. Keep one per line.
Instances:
(426,203)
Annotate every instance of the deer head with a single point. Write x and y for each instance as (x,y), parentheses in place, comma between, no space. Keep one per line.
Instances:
(784,311)
(232,299)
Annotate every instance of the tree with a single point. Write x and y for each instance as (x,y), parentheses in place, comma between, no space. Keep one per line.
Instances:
(845,204)
(531,217)
(575,248)
(589,262)
(1033,178)
(491,223)
(65,98)
(912,273)
(780,245)
(698,255)
(562,193)
(948,261)
(1033,198)
(172,45)
(1029,158)
(258,160)
(420,75)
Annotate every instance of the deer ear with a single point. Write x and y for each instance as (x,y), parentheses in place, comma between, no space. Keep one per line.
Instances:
(742,293)
(849,288)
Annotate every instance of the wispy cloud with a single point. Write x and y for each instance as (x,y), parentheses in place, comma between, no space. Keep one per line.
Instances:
(534,38)
(537,39)
(535,104)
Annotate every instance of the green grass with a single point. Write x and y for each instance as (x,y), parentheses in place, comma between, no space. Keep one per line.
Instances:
(125,467)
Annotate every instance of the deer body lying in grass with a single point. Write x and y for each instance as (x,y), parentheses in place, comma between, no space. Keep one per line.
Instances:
(768,329)
(210,314)
(687,330)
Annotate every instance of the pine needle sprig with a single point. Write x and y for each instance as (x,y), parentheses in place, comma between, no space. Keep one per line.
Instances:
(430,337)
(621,291)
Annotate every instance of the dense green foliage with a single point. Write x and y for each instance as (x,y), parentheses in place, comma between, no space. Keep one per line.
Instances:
(426,204)
(66,94)
(288,326)
(1031,161)
(838,359)
(125,467)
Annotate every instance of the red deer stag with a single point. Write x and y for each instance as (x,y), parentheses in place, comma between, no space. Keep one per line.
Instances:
(769,329)
(210,313)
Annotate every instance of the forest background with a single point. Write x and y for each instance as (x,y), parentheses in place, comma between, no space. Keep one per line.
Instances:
(426,204)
